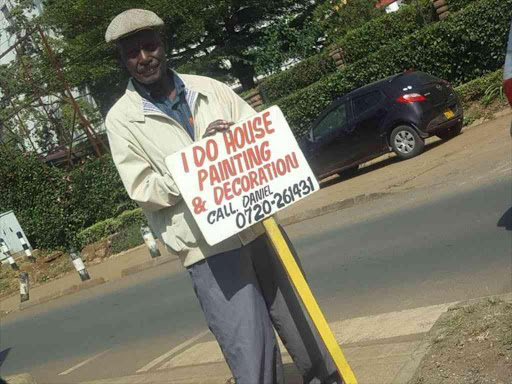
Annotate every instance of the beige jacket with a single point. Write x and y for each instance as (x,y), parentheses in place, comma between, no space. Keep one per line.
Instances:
(141,136)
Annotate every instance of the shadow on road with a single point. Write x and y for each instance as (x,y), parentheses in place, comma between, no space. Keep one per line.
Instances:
(376,166)
(506,220)
(3,356)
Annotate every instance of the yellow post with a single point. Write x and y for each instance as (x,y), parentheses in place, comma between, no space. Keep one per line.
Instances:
(305,294)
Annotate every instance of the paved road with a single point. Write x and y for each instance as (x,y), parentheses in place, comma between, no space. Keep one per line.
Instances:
(408,250)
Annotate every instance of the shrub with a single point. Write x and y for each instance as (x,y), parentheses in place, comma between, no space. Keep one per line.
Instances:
(476,89)
(301,75)
(99,231)
(52,204)
(128,238)
(463,47)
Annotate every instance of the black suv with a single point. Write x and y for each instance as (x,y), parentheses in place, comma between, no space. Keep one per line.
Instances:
(397,113)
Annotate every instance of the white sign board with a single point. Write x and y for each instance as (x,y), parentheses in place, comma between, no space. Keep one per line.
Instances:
(237,178)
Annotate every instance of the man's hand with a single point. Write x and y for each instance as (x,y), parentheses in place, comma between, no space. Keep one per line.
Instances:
(217,126)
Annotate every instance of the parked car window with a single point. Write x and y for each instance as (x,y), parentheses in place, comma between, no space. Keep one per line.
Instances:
(335,119)
(365,102)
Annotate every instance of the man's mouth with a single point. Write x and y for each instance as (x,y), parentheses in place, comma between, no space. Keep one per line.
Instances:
(148,72)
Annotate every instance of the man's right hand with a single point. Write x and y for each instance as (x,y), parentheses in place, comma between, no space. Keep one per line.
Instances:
(217,126)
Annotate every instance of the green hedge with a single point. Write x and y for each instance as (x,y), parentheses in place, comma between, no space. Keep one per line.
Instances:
(476,89)
(125,221)
(463,47)
(357,44)
(301,75)
(53,204)
(382,31)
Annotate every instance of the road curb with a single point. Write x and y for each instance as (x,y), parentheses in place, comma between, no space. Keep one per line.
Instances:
(147,265)
(466,303)
(63,292)
(336,206)
(23,378)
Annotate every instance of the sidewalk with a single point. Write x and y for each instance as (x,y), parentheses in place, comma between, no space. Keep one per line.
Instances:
(381,349)
(484,147)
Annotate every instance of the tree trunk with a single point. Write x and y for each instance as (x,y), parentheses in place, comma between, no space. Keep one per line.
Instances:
(245,74)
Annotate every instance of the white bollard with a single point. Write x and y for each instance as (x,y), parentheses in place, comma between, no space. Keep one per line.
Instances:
(79,265)
(26,248)
(7,252)
(24,285)
(145,231)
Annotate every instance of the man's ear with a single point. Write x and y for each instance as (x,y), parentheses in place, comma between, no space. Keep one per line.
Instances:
(119,56)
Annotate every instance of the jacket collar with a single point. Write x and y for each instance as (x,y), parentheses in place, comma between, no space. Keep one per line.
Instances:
(141,107)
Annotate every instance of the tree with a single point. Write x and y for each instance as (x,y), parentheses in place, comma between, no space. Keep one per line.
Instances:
(287,42)
(32,90)
(216,38)
(337,17)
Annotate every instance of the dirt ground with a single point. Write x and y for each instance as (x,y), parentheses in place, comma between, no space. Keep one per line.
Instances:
(471,345)
(47,267)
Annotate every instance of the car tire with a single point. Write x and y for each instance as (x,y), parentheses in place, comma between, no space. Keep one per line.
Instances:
(439,4)
(449,133)
(349,172)
(406,142)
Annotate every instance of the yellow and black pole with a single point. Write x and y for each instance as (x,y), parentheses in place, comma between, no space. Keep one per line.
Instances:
(304,292)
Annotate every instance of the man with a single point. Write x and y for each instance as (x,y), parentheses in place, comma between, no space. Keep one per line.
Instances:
(242,288)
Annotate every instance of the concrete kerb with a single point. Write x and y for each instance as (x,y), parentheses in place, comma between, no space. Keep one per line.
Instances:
(333,207)
(23,378)
(74,288)
(147,265)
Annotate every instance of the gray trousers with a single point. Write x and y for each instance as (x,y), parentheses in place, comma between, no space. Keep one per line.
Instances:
(243,293)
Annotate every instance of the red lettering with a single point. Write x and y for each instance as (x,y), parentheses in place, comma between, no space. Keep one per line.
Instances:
(214,175)
(229,142)
(249,134)
(227,191)
(202,176)
(184,161)
(218,195)
(267,123)
(236,183)
(256,125)
(265,153)
(199,155)
(212,150)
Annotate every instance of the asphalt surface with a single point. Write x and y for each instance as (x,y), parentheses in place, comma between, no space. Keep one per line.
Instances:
(408,250)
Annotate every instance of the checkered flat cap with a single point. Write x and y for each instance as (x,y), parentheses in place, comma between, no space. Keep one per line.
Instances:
(131,21)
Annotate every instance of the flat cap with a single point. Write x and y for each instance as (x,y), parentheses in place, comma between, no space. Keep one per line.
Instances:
(131,21)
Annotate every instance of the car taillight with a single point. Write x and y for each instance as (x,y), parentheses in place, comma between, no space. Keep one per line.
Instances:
(411,98)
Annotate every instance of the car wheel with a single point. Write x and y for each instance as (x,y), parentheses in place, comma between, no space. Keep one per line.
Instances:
(450,132)
(405,142)
(349,172)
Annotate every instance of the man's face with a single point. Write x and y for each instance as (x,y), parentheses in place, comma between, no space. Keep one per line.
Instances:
(143,55)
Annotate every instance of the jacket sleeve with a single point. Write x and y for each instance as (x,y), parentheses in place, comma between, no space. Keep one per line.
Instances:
(150,189)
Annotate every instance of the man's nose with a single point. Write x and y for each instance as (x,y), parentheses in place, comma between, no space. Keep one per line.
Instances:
(144,56)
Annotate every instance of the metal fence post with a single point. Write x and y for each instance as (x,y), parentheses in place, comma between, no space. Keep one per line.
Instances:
(24,286)
(26,248)
(145,231)
(79,265)
(7,252)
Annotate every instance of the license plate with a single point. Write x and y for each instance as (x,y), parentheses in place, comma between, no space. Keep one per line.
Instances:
(448,113)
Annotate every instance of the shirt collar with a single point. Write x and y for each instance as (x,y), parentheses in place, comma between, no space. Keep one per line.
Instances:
(146,94)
